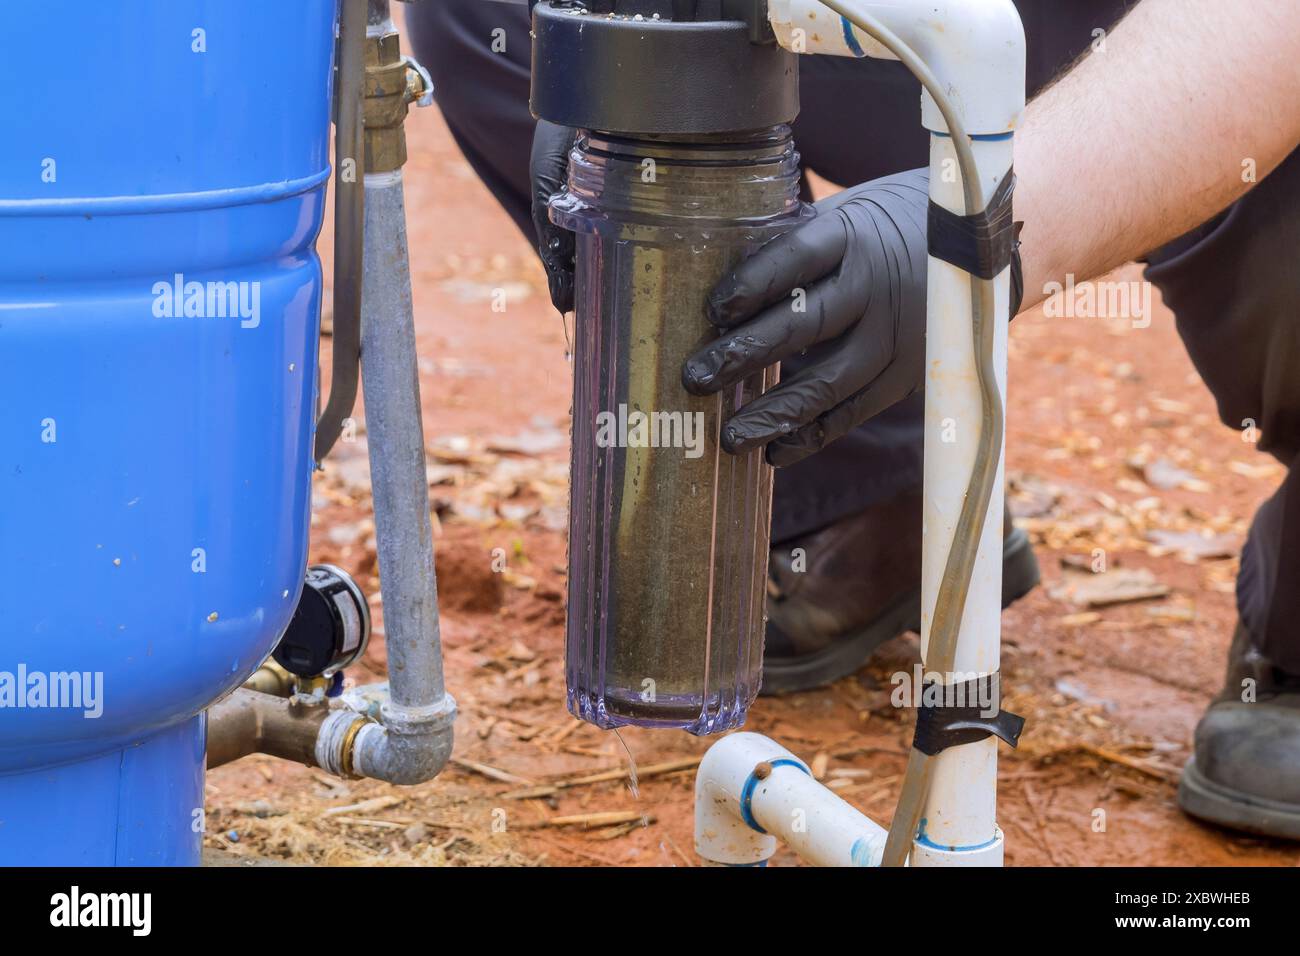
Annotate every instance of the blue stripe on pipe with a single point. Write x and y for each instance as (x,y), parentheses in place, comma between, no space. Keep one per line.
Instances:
(850,40)
(860,853)
(747,792)
(985,137)
(924,840)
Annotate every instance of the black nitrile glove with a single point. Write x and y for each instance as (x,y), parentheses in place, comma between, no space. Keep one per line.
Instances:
(861,266)
(549,166)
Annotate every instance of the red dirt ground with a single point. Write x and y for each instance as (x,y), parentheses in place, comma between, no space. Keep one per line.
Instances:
(1112,695)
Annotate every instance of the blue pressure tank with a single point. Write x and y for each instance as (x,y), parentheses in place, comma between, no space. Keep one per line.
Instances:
(162,177)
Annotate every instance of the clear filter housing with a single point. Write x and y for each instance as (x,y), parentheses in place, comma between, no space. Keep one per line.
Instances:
(668,534)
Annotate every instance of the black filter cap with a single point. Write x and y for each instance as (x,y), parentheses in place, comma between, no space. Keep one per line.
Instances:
(675,67)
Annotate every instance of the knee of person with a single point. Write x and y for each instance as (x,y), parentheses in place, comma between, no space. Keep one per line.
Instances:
(477,55)
(450,36)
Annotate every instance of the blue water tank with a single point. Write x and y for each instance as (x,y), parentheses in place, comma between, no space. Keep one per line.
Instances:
(162,178)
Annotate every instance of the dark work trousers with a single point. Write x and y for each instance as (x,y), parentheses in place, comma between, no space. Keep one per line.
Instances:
(1234,283)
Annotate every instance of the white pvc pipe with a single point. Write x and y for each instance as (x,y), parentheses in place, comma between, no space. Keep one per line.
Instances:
(962,804)
(976,49)
(750,793)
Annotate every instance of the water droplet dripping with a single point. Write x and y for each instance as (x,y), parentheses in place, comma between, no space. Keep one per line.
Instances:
(631,767)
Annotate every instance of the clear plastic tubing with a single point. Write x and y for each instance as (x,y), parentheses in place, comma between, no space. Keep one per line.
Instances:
(668,534)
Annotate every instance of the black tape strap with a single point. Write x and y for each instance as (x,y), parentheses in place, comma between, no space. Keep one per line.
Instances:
(981,244)
(961,715)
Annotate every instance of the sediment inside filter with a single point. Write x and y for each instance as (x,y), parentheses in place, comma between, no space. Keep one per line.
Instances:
(668,533)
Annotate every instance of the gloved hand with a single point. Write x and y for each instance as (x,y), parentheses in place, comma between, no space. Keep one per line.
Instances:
(861,266)
(548,165)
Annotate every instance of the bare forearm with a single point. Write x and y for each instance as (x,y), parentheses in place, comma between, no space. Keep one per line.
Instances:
(1188,103)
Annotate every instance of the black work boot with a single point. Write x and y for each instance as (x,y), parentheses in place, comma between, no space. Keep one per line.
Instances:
(837,594)
(1245,768)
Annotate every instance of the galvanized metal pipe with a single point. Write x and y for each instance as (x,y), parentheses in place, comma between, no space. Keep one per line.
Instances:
(415,738)
(395,434)
(412,740)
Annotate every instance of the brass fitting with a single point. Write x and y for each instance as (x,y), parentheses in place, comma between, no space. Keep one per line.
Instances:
(272,679)
(347,751)
(249,722)
(392,83)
